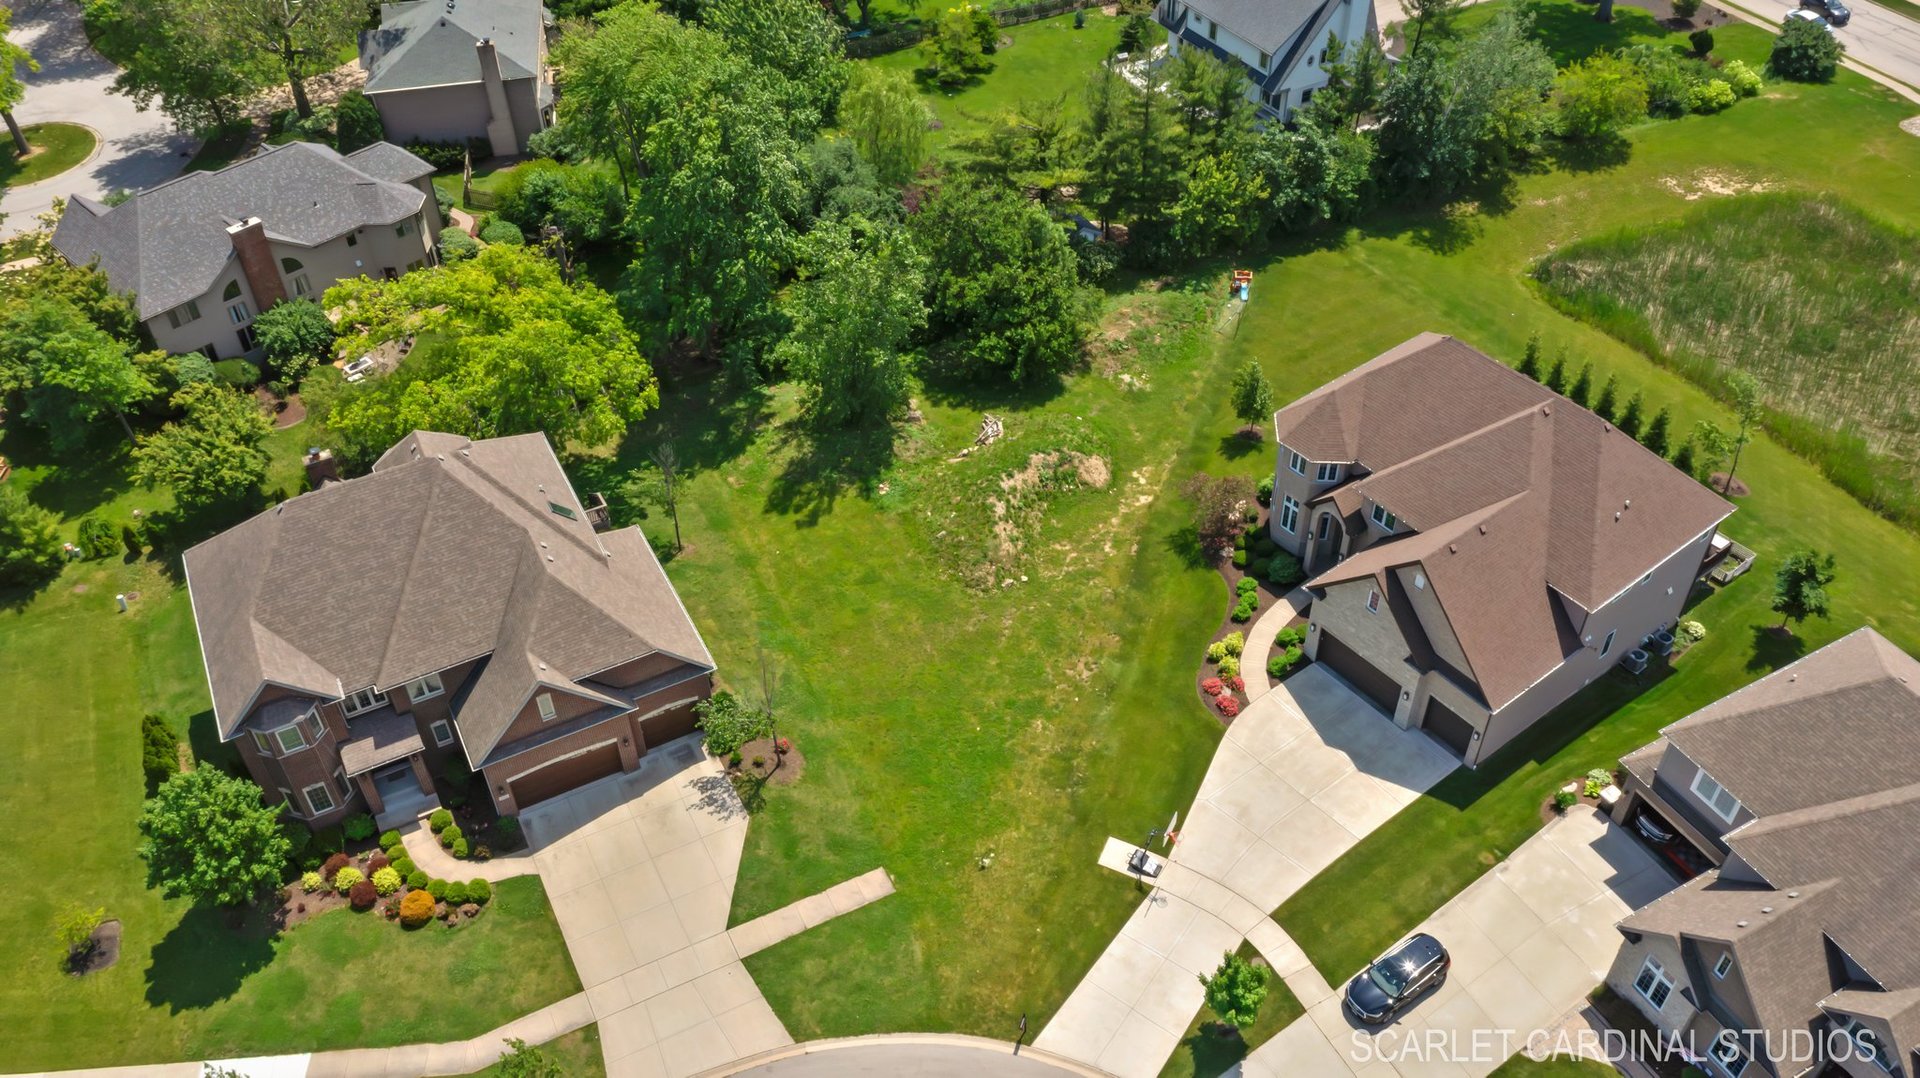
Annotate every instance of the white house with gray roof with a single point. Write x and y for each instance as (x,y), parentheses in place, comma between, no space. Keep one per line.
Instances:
(1282,45)
(460,70)
(204,254)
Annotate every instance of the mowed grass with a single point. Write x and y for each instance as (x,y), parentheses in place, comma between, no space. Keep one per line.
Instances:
(57,147)
(1049,61)
(1817,300)
(576,1053)
(1204,1053)
(77,676)
(1464,271)
(1555,1067)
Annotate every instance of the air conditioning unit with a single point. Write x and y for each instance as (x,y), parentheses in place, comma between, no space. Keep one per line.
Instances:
(1635,661)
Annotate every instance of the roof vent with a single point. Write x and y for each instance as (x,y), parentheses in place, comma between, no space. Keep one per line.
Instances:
(1766,909)
(1483,529)
(1616,518)
(439,456)
(549,557)
(1452,549)
(1546,409)
(543,544)
(543,666)
(1606,428)
(1740,924)
(1793,894)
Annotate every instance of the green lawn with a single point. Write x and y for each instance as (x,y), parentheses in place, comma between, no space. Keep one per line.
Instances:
(577,1053)
(77,677)
(1465,272)
(1204,1053)
(1557,1067)
(221,147)
(57,147)
(486,177)
(1048,61)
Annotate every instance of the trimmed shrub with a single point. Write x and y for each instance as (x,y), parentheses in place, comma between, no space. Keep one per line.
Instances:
(1264,546)
(1282,663)
(344,879)
(1284,570)
(439,821)
(377,862)
(1291,637)
(1239,559)
(1213,686)
(404,866)
(479,892)
(459,847)
(501,230)
(416,909)
(1711,95)
(311,882)
(1234,643)
(362,895)
(1228,704)
(1257,567)
(98,539)
(334,864)
(437,888)
(417,880)
(1564,800)
(1264,490)
(1702,42)
(456,893)
(1230,667)
(1744,79)
(1246,586)
(508,826)
(356,123)
(1244,609)
(457,246)
(1805,52)
(1691,631)
(1686,9)
(1237,683)
(390,839)
(386,881)
(159,751)
(448,835)
(1216,651)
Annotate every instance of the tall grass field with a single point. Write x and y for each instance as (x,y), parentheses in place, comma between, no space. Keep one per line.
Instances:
(1814,298)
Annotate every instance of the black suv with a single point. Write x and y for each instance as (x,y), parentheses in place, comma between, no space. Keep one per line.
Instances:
(1397,978)
(1835,11)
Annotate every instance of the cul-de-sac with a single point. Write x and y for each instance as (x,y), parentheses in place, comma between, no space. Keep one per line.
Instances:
(960,538)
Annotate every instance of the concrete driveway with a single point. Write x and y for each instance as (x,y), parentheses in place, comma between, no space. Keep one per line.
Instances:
(1529,940)
(137,149)
(1306,771)
(640,870)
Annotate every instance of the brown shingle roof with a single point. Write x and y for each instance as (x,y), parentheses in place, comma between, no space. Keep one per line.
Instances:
(1517,494)
(449,551)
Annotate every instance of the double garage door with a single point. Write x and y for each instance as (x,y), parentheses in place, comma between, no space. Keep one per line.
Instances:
(562,775)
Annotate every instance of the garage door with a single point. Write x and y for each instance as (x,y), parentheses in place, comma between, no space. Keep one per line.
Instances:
(664,727)
(562,775)
(1453,731)
(1370,680)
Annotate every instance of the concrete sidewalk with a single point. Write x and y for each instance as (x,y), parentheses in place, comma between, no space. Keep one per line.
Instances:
(1253,658)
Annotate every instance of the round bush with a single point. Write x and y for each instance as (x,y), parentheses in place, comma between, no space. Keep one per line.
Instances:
(1710,95)
(1264,491)
(1216,651)
(457,246)
(456,893)
(508,826)
(439,821)
(344,879)
(386,881)
(501,230)
(1284,570)
(1230,667)
(437,888)
(416,909)
(1234,643)
(333,865)
(404,866)
(479,892)
(459,847)
(390,839)
(1239,559)
(1743,78)
(377,862)
(448,835)
(311,882)
(358,827)
(362,895)
(417,880)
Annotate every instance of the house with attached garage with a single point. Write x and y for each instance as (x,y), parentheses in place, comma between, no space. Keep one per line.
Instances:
(204,254)
(1796,950)
(1281,45)
(1478,547)
(457,605)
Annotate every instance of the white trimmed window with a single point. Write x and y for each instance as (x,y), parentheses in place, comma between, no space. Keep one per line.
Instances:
(346,784)
(291,739)
(364,700)
(1715,796)
(1326,473)
(286,796)
(545,702)
(1726,1054)
(1289,514)
(1653,984)
(1383,518)
(442,732)
(1373,601)
(1723,967)
(425,688)
(263,743)
(319,798)
(186,312)
(1866,1042)
(1296,463)
(1607,644)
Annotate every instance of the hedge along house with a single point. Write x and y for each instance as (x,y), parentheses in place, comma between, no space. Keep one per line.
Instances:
(1478,547)
(461,71)
(204,254)
(458,603)
(1282,46)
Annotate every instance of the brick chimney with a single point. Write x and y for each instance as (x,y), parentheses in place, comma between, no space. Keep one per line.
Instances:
(500,134)
(321,468)
(249,239)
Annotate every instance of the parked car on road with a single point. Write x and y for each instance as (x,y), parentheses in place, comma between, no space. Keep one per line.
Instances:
(1415,966)
(1803,15)
(1837,13)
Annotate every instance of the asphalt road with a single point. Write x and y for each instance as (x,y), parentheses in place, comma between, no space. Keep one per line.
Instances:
(906,1061)
(136,150)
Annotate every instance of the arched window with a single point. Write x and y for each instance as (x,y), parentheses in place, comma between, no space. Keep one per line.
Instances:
(232,292)
(290,265)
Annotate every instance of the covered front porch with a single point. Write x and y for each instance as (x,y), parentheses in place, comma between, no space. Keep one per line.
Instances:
(386,760)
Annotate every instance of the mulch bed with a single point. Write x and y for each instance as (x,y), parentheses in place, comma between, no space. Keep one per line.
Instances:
(104,953)
(791,766)
(1269,594)
(1718,482)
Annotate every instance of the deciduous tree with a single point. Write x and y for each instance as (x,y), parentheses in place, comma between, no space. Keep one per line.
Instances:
(887,119)
(1316,170)
(1746,406)
(797,41)
(1599,95)
(207,837)
(196,77)
(1800,586)
(1252,395)
(305,38)
(72,371)
(1452,116)
(1219,503)
(213,453)
(855,310)
(13,57)
(1236,990)
(295,334)
(1221,207)
(29,539)
(1030,146)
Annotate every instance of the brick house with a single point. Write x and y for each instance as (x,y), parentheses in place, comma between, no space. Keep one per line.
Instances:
(458,603)
(1478,547)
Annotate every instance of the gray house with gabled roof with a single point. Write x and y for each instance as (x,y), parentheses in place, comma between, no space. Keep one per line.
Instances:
(457,604)
(1281,45)
(461,70)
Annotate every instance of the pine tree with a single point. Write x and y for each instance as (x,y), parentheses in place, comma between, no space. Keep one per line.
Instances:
(1530,362)
(1629,421)
(1656,436)
(1582,386)
(1606,404)
(1683,460)
(1557,376)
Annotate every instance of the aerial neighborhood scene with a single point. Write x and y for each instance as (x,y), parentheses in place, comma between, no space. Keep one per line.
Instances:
(802,538)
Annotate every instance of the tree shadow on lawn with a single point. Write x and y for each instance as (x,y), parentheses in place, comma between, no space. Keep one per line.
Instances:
(1184,543)
(1572,33)
(1773,649)
(707,420)
(1602,154)
(1241,443)
(76,481)
(823,465)
(947,381)
(206,958)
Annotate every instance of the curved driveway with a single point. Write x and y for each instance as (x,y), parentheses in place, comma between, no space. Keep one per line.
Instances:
(137,149)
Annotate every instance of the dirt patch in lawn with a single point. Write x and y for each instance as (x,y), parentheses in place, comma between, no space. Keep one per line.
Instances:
(790,767)
(1712,182)
(1738,489)
(103,952)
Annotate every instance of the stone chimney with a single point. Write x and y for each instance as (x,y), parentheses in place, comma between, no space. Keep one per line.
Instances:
(249,239)
(500,134)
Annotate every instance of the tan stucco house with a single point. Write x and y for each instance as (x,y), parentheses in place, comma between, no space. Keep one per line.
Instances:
(1478,547)
(1798,950)
(456,602)
(460,70)
(204,254)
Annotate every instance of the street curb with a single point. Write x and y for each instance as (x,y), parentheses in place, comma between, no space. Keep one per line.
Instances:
(949,1040)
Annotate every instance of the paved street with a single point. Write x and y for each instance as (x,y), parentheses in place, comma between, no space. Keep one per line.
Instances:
(909,1054)
(1529,940)
(1306,771)
(137,149)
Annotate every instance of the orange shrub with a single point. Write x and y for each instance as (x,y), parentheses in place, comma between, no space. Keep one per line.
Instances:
(416,909)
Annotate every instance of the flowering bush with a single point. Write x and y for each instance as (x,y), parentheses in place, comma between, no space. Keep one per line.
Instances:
(311,882)
(1691,631)
(1237,684)
(344,879)
(386,881)
(783,746)
(1213,686)
(1228,705)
